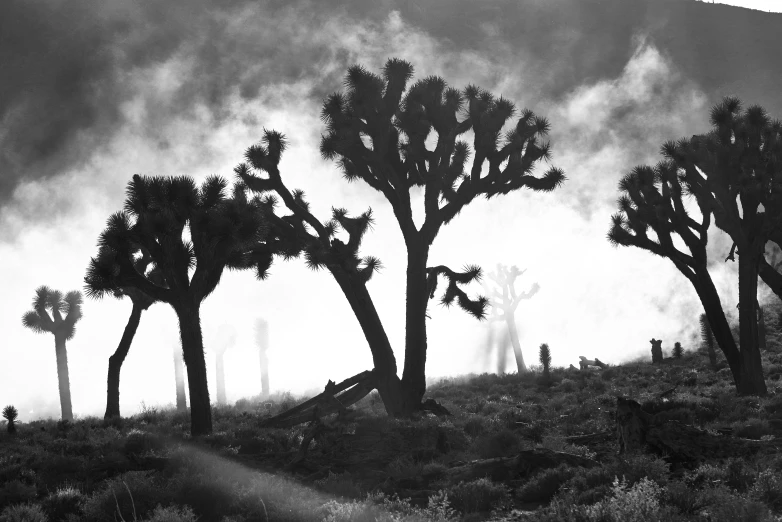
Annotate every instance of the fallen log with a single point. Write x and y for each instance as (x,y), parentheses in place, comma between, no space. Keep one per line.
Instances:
(585,363)
(353,390)
(521,465)
(638,430)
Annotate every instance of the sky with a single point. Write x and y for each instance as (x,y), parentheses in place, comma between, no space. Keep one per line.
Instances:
(773,6)
(122,88)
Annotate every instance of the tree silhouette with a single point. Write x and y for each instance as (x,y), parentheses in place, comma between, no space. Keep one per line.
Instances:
(708,339)
(226,336)
(140,302)
(544,355)
(504,303)
(179,376)
(651,201)
(224,232)
(739,163)
(65,313)
(377,131)
(262,337)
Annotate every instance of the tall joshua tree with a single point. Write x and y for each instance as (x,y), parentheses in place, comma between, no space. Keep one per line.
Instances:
(226,336)
(224,232)
(651,200)
(262,337)
(140,302)
(504,302)
(377,131)
(179,376)
(739,163)
(65,313)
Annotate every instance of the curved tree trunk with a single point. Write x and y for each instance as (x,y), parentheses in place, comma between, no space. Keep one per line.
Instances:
(179,375)
(220,367)
(750,380)
(414,375)
(62,377)
(514,339)
(193,352)
(116,360)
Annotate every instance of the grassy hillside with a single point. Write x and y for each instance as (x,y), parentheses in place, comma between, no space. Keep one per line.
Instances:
(363,466)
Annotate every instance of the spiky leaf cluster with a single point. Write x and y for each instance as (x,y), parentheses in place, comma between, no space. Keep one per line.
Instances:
(10,413)
(378,128)
(300,232)
(54,313)
(143,247)
(475,307)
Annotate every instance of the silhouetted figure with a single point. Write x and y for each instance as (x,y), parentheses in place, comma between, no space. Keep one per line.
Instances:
(657,351)
(262,338)
(226,336)
(225,232)
(504,300)
(179,375)
(65,313)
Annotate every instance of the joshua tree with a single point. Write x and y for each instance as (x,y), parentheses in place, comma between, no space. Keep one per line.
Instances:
(179,375)
(223,232)
(65,313)
(377,131)
(141,302)
(10,414)
(226,336)
(739,162)
(657,350)
(262,336)
(708,339)
(545,359)
(678,351)
(504,303)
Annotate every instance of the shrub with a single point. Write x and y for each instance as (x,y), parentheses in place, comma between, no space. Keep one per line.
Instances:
(341,485)
(768,488)
(478,495)
(129,493)
(63,502)
(678,351)
(498,444)
(23,513)
(16,492)
(139,442)
(172,514)
(638,503)
(544,485)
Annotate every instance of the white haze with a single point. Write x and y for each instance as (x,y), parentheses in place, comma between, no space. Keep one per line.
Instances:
(595,300)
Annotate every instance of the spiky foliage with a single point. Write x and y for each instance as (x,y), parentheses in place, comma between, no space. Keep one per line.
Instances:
(678,351)
(65,312)
(226,230)
(475,307)
(10,414)
(544,356)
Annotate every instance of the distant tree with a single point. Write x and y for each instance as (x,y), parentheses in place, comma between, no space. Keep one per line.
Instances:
(739,163)
(65,313)
(226,336)
(544,356)
(504,303)
(657,350)
(678,351)
(262,337)
(179,376)
(10,414)
(224,232)
(708,339)
(377,131)
(140,302)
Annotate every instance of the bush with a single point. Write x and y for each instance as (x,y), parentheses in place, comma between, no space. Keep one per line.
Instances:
(478,495)
(23,513)
(16,492)
(341,485)
(172,514)
(768,488)
(543,486)
(498,444)
(638,503)
(134,491)
(139,442)
(63,502)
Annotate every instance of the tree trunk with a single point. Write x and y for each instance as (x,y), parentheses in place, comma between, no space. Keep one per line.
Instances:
(502,352)
(62,377)
(116,360)
(263,346)
(750,381)
(715,315)
(220,367)
(193,352)
(414,375)
(388,383)
(514,339)
(181,397)
(761,329)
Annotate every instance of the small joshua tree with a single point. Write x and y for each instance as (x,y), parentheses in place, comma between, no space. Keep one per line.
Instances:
(545,359)
(708,339)
(65,313)
(678,351)
(657,351)
(10,414)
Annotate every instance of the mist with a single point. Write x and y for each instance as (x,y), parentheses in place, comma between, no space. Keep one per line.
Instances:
(125,96)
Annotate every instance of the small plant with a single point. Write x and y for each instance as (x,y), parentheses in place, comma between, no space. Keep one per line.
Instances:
(545,359)
(23,513)
(10,414)
(678,351)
